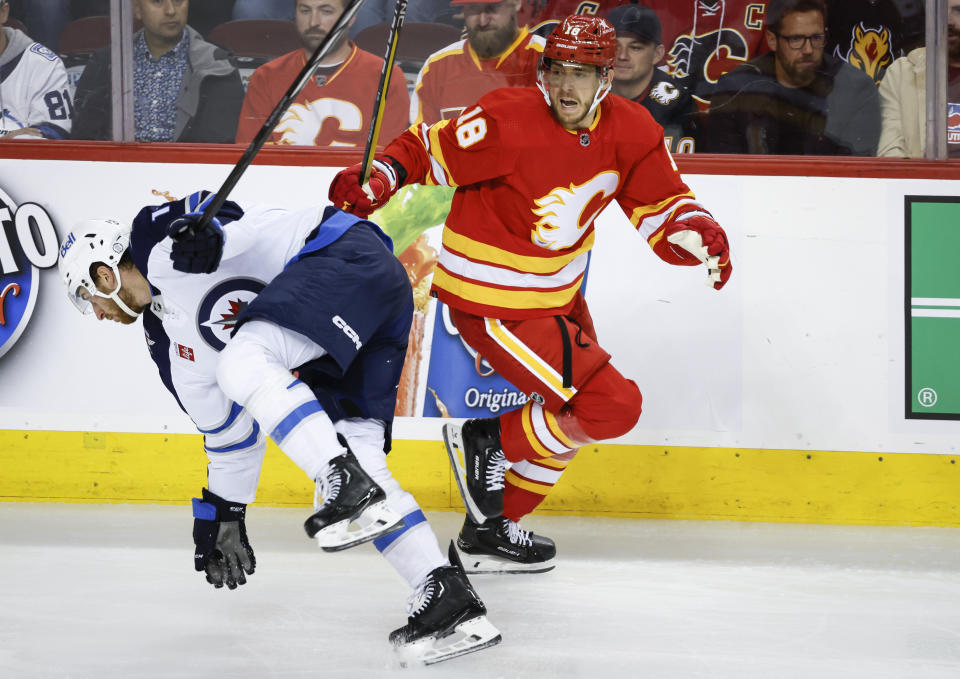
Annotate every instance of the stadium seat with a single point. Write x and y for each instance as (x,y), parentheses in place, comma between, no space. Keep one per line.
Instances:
(257,39)
(418,40)
(84,36)
(16,23)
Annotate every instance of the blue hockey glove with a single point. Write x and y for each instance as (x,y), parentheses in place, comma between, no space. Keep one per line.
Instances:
(196,250)
(222,549)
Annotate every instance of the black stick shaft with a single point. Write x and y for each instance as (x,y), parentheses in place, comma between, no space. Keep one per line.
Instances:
(271,122)
(380,103)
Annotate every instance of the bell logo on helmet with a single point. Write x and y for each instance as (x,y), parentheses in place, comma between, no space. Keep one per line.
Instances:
(70,240)
(28,243)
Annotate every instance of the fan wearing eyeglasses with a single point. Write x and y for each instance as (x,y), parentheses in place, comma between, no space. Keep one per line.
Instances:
(794,100)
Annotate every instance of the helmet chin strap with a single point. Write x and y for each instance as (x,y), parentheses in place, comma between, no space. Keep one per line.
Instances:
(602,91)
(115,295)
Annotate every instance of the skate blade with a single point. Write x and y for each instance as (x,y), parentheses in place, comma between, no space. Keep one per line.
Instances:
(454,443)
(472,635)
(373,522)
(483,564)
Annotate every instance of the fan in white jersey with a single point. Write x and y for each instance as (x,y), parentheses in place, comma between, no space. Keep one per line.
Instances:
(317,292)
(34,98)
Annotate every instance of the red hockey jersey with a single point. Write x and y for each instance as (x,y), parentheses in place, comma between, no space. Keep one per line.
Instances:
(455,77)
(516,241)
(331,110)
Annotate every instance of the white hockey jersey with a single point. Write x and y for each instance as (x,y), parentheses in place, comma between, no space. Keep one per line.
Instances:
(192,315)
(33,88)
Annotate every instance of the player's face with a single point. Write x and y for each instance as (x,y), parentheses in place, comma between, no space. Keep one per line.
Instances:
(953,31)
(163,20)
(572,88)
(315,19)
(106,308)
(636,57)
(798,65)
(491,27)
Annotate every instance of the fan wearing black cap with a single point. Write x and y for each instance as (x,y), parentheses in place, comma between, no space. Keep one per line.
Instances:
(636,76)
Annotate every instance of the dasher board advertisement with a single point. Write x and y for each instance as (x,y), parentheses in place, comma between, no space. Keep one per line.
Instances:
(932,240)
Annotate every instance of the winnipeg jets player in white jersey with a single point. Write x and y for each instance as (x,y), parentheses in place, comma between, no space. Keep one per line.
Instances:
(292,324)
(35,101)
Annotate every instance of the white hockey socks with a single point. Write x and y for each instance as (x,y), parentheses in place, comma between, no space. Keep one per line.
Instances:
(413,550)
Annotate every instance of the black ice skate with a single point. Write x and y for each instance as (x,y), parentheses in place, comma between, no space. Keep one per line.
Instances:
(447,618)
(349,494)
(479,463)
(500,546)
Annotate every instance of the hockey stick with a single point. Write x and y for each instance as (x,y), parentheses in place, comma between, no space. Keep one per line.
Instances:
(380,103)
(271,122)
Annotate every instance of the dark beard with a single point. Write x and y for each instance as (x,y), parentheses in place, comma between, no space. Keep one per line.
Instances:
(312,41)
(492,43)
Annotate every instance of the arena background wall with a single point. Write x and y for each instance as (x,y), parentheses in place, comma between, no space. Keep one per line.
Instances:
(792,395)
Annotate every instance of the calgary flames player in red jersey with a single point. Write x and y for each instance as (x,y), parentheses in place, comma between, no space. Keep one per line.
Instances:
(531,177)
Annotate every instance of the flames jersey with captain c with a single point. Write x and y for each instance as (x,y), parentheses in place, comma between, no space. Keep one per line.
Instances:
(518,234)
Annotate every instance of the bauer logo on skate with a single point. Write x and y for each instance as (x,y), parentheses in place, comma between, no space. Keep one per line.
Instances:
(219,308)
(28,243)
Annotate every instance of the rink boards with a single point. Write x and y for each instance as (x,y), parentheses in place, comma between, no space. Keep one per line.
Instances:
(798,393)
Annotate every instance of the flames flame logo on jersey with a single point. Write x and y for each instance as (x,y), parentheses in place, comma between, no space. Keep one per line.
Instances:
(707,55)
(320,123)
(869,50)
(566,212)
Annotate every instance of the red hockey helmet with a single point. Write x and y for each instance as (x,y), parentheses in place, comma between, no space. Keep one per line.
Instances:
(584,39)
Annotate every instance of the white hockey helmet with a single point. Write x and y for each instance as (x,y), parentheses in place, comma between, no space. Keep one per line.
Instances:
(92,241)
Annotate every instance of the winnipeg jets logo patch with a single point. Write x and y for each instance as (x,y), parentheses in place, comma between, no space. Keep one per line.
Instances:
(220,308)
(664,93)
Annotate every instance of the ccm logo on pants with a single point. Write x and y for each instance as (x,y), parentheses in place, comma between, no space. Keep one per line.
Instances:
(348,331)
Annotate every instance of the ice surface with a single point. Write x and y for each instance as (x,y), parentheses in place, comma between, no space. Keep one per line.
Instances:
(104,591)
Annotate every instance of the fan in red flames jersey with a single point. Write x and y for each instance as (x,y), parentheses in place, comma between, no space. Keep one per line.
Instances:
(533,167)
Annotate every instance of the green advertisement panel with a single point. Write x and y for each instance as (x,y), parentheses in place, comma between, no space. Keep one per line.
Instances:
(932,306)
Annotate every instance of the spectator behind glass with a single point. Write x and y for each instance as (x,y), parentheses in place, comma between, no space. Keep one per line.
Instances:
(636,76)
(184,88)
(34,98)
(794,99)
(903,98)
(497,53)
(335,108)
(867,34)
(373,12)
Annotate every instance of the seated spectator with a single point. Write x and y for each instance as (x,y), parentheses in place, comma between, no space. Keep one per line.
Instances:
(636,76)
(184,88)
(497,53)
(336,107)
(373,12)
(867,34)
(903,98)
(34,98)
(794,99)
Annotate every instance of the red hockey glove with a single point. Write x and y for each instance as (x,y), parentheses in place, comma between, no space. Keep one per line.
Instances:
(347,194)
(704,239)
